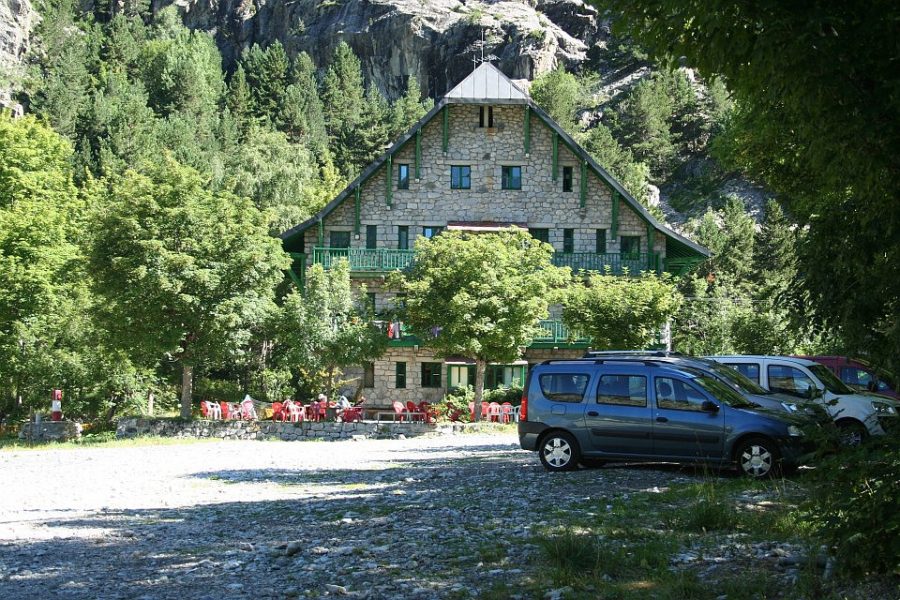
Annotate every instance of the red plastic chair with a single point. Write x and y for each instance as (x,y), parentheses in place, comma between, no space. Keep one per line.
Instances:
(278,411)
(471,411)
(484,411)
(506,412)
(413,411)
(429,414)
(351,415)
(226,410)
(204,411)
(399,411)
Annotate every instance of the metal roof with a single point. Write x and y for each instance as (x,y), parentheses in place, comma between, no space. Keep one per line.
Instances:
(487,84)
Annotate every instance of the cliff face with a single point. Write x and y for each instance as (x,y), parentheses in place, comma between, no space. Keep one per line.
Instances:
(16,20)
(435,40)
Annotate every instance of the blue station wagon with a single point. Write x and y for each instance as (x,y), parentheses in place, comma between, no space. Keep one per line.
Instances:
(633,409)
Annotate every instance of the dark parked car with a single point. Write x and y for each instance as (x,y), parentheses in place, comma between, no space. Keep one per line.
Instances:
(860,375)
(637,409)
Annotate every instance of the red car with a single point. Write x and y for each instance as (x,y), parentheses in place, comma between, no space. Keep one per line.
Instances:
(860,375)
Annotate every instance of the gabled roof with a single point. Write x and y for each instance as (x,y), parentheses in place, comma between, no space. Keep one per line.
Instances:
(481,87)
(487,85)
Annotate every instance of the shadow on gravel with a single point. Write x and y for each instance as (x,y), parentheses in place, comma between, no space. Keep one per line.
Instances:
(411,529)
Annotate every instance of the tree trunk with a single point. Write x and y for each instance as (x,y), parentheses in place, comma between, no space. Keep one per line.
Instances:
(480,368)
(187,389)
(150,400)
(113,407)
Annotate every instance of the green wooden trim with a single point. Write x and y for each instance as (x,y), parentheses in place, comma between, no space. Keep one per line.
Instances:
(446,132)
(419,153)
(555,156)
(356,212)
(584,172)
(614,229)
(527,130)
(321,233)
(389,179)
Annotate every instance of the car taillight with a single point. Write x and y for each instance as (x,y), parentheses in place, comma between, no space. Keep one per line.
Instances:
(523,408)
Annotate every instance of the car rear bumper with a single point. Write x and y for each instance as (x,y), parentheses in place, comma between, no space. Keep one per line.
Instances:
(529,433)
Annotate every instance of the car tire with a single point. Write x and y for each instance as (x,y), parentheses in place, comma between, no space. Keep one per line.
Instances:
(559,451)
(852,433)
(758,458)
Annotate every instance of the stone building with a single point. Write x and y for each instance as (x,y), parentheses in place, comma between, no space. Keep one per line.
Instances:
(485,157)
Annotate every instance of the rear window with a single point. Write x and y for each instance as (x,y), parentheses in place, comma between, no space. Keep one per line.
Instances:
(748,370)
(626,390)
(564,387)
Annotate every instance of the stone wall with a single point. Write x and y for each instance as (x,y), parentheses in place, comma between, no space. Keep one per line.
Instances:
(268,430)
(541,202)
(50,431)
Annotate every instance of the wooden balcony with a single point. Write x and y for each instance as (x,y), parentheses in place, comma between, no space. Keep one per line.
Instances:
(554,333)
(365,260)
(613,263)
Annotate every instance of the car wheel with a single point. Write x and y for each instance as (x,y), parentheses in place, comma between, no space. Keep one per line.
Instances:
(559,452)
(758,458)
(853,433)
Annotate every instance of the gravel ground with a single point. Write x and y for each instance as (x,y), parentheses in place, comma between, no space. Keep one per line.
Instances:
(429,517)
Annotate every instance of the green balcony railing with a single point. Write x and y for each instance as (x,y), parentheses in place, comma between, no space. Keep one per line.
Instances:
(615,263)
(554,331)
(365,259)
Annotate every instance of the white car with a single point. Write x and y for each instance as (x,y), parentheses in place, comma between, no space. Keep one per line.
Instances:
(857,414)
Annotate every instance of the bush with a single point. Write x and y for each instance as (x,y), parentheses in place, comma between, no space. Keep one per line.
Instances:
(853,503)
(455,403)
(512,394)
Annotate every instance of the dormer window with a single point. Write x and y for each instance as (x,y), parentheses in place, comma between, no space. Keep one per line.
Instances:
(486,116)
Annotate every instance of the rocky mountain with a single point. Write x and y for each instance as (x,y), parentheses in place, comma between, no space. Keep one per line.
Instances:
(435,40)
(17,17)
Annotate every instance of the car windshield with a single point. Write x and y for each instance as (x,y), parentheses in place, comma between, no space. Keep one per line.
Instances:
(722,392)
(830,380)
(738,380)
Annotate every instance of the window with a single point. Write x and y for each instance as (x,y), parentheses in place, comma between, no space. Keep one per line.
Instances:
(674,394)
(622,390)
(461,375)
(431,375)
(567,179)
(511,178)
(371,236)
(601,241)
(460,178)
(430,231)
(568,240)
(486,116)
(403,237)
(540,234)
(748,370)
(402,177)
(400,376)
(630,245)
(340,239)
(497,376)
(369,375)
(564,387)
(789,380)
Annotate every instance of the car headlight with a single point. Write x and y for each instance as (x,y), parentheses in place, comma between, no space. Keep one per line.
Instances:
(883,409)
(795,431)
(789,407)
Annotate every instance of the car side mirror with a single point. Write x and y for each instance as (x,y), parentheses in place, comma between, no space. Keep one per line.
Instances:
(709,406)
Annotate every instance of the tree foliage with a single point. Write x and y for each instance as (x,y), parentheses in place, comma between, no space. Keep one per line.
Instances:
(479,296)
(620,312)
(816,90)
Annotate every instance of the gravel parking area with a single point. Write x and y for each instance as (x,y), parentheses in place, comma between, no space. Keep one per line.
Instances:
(429,517)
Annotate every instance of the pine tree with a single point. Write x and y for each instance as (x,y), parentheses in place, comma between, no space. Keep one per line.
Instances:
(408,108)
(303,114)
(343,92)
(267,73)
(239,100)
(775,255)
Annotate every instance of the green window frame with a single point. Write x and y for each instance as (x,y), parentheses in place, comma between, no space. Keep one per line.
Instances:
(567,178)
(568,241)
(601,241)
(431,374)
(371,236)
(402,177)
(511,178)
(339,239)
(460,177)
(541,234)
(403,237)
(429,231)
(630,245)
(400,375)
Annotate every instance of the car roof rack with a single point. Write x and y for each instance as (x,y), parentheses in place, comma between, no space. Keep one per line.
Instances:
(599,361)
(635,353)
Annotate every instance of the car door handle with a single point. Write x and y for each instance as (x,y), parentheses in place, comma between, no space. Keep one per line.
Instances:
(662,419)
(593,413)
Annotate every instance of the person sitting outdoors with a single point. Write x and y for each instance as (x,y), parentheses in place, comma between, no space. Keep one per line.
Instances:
(342,405)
